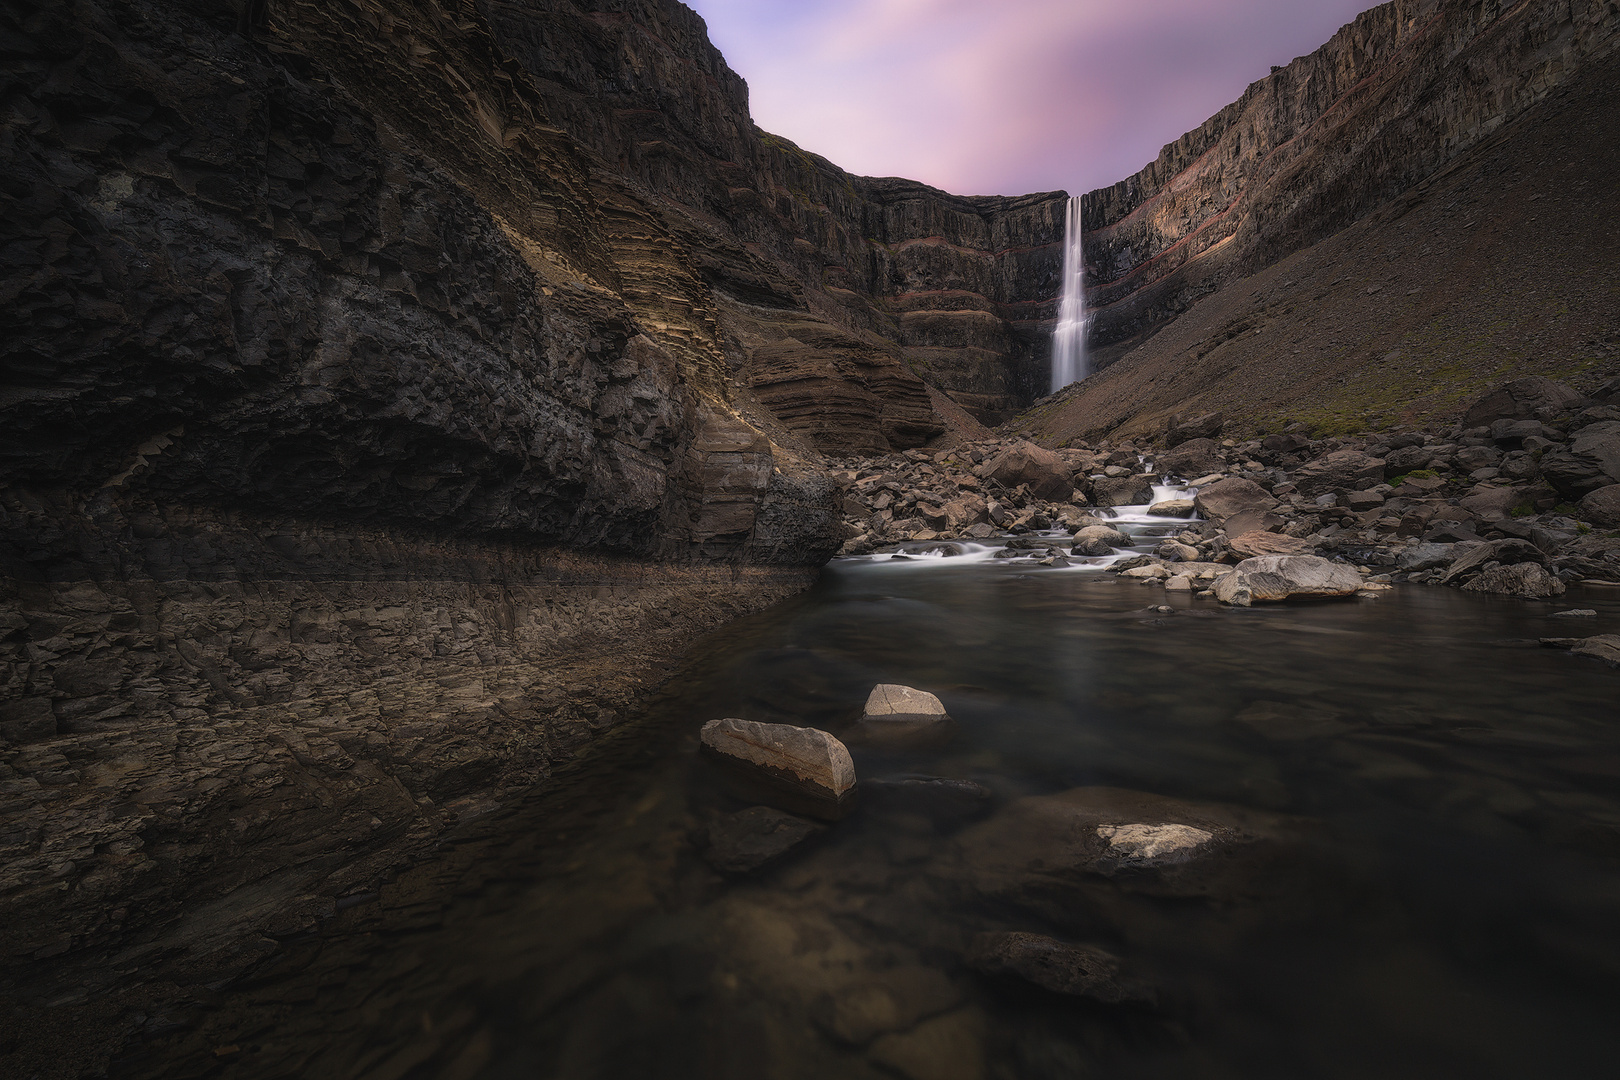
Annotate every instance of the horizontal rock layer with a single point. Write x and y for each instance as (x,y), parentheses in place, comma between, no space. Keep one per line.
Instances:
(1394,97)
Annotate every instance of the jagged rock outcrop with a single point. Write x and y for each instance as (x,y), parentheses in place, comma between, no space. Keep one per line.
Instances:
(906,280)
(364,452)
(1387,103)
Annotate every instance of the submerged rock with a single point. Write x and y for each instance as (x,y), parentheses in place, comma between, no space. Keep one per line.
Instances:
(945,800)
(1059,966)
(804,770)
(902,713)
(754,838)
(1272,578)
(1139,845)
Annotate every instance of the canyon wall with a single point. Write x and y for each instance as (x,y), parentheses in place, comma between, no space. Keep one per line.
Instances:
(1395,95)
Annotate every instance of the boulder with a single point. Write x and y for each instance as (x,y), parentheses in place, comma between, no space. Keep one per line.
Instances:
(1602,506)
(1232,496)
(1605,647)
(1272,578)
(1490,503)
(802,770)
(1529,398)
(1195,457)
(1423,557)
(895,712)
(1176,508)
(1131,490)
(754,838)
(1059,966)
(1507,552)
(1342,470)
(1591,462)
(1025,463)
(1251,521)
(1253,544)
(1182,430)
(1527,579)
(1106,533)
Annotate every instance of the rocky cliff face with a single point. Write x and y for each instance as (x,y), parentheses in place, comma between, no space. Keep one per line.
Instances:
(839,290)
(365,450)
(1396,95)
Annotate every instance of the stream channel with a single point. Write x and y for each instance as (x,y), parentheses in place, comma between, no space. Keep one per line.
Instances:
(1425,885)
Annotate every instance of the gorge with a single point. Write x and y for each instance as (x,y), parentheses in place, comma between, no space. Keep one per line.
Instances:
(396,391)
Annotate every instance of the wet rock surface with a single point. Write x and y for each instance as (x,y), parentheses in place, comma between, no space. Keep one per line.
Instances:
(804,769)
(1059,966)
(754,838)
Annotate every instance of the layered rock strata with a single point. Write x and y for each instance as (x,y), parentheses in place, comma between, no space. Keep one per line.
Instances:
(366,452)
(1394,97)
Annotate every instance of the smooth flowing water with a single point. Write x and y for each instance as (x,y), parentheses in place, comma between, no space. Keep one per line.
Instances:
(1069,362)
(1439,898)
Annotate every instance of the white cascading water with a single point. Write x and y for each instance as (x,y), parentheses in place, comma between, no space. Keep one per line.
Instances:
(1069,339)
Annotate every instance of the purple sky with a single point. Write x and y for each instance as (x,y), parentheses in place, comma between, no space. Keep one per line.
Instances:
(1005,97)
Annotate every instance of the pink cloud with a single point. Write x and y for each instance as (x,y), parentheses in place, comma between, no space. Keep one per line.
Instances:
(1005,98)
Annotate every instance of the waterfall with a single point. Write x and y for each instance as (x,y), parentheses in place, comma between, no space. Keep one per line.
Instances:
(1069,339)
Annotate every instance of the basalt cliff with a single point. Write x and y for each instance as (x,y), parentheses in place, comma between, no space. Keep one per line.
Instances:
(391,388)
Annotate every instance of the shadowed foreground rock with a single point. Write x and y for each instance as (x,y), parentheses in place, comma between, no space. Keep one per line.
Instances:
(1059,966)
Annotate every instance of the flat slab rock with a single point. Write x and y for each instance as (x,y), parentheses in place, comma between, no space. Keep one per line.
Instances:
(1605,647)
(799,769)
(1059,966)
(1273,578)
(754,838)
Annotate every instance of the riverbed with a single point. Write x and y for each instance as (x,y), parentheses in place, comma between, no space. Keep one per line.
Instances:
(1432,797)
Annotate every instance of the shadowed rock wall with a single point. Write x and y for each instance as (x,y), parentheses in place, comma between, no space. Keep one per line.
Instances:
(364,448)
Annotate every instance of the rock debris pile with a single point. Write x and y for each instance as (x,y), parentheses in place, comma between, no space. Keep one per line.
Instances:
(1519,498)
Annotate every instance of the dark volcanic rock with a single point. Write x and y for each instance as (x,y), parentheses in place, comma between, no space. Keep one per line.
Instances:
(1026,463)
(1207,426)
(1192,458)
(1591,462)
(1122,490)
(1059,966)
(1602,507)
(1529,398)
(1342,470)
(754,838)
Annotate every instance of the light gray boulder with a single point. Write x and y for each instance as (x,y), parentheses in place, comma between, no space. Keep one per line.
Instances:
(798,769)
(1273,578)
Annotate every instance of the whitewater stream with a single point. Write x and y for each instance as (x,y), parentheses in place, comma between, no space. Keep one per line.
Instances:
(1436,801)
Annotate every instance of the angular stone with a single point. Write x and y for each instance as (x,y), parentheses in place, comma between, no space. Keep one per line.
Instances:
(1059,966)
(1272,578)
(1527,579)
(1025,463)
(1342,470)
(25,720)
(1591,462)
(1602,506)
(1423,557)
(754,838)
(1253,544)
(1196,457)
(802,770)
(1140,845)
(1521,399)
(1508,551)
(1207,426)
(1130,490)
(1230,497)
(1492,503)
(1605,647)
